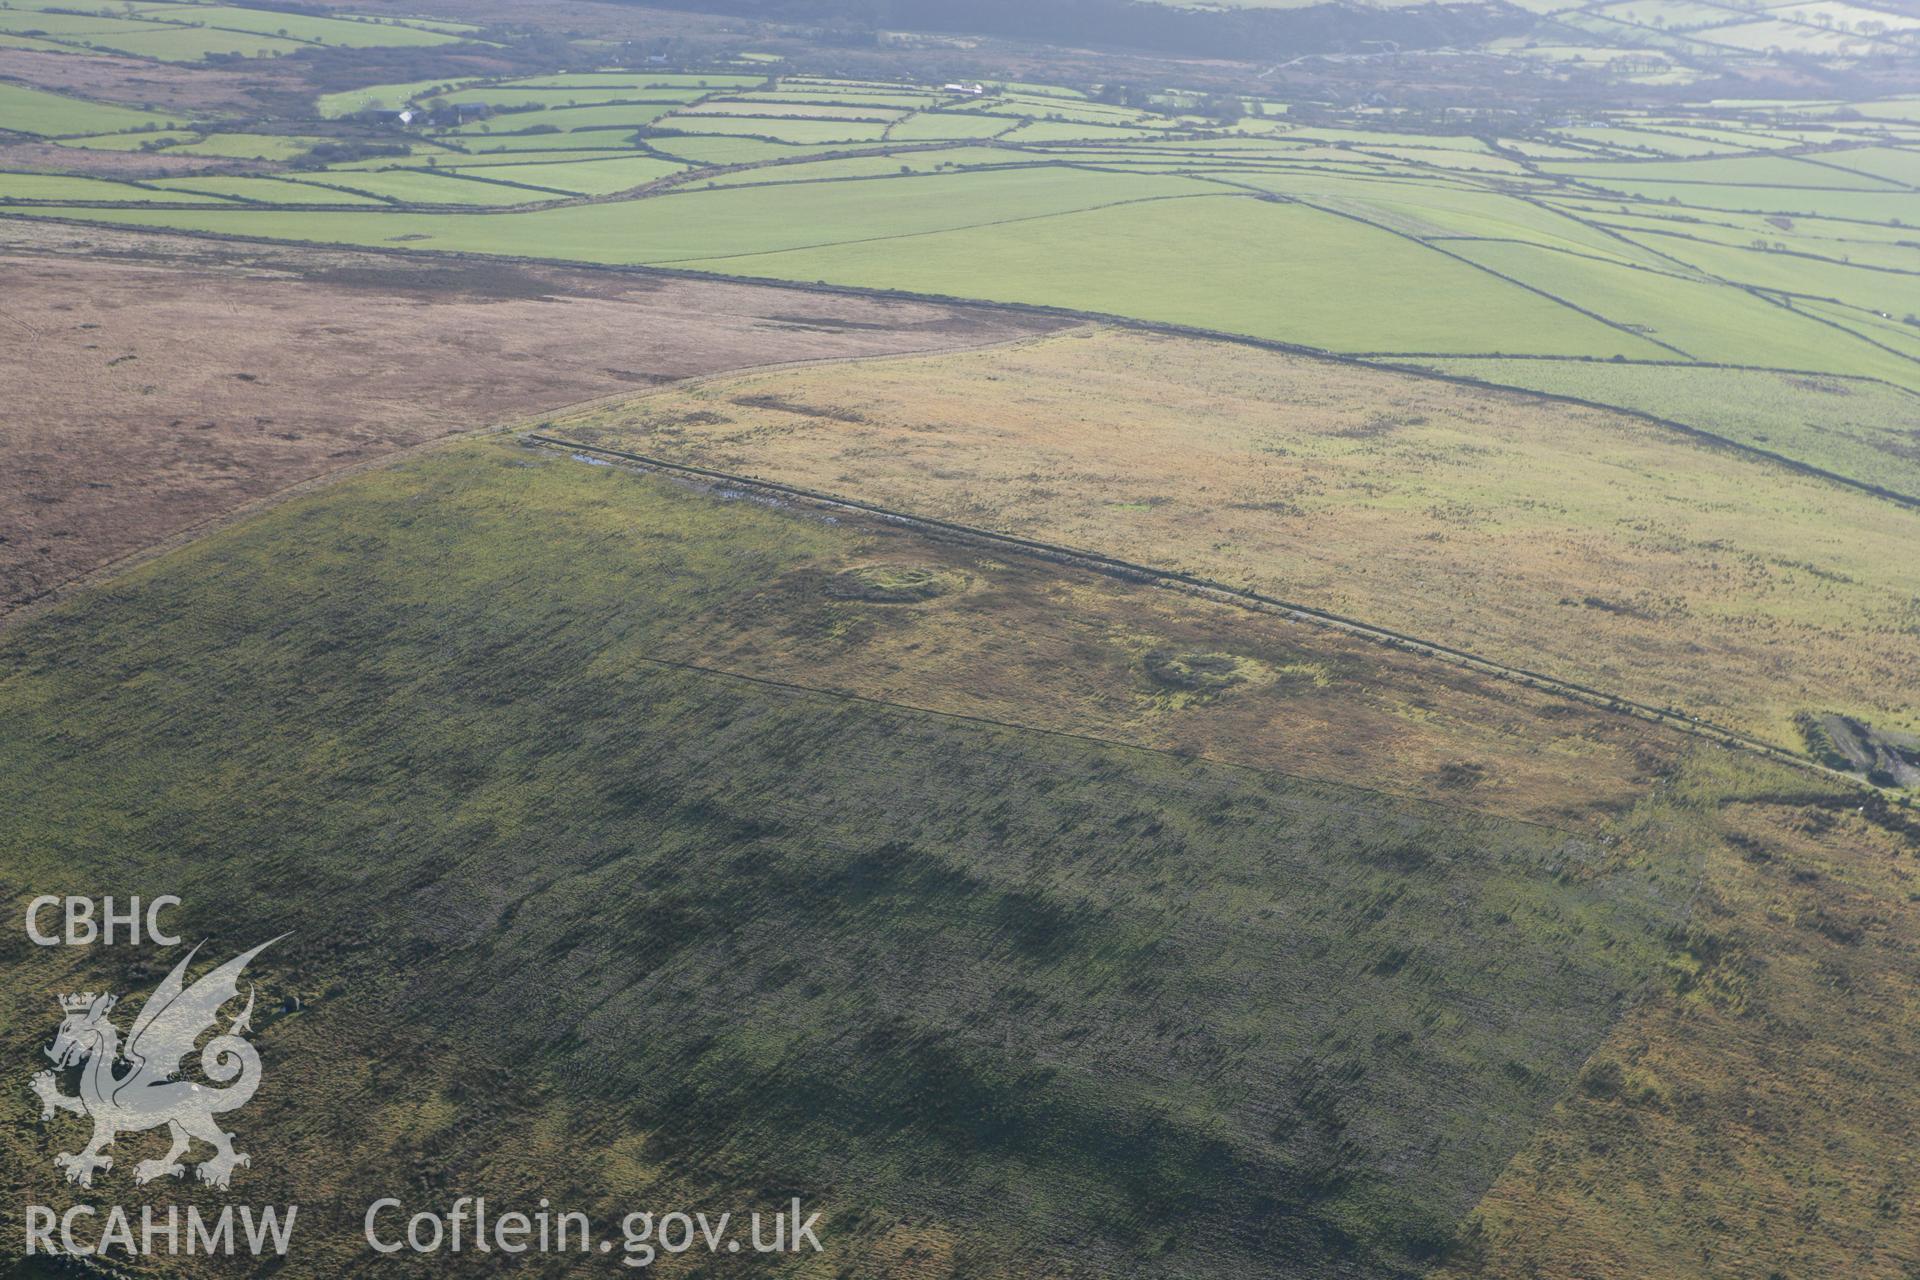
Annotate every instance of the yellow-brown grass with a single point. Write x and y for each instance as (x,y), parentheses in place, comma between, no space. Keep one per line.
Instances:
(1759,1118)
(1024,643)
(1592,545)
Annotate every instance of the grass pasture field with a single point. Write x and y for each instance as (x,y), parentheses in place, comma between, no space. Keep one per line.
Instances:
(253,190)
(581,177)
(348,32)
(1049,234)
(1867,430)
(382,97)
(628,116)
(512,97)
(55,186)
(178,42)
(415,186)
(24,109)
(132,141)
(249,146)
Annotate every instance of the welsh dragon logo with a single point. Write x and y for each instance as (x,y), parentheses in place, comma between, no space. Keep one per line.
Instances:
(135,1087)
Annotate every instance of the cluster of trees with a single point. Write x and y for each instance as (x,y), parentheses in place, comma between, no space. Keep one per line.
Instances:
(332,68)
(1223,107)
(322,154)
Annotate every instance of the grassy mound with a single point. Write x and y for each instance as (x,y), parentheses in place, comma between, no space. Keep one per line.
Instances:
(892,584)
(1193,672)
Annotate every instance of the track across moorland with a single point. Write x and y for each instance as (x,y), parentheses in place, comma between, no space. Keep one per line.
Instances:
(1194,584)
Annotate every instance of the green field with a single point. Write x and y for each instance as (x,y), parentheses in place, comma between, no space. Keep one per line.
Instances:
(567,119)
(267,190)
(1306,277)
(249,146)
(181,42)
(380,97)
(926,126)
(776,128)
(435,187)
(138,141)
(24,109)
(1860,429)
(56,186)
(343,33)
(587,177)
(510,97)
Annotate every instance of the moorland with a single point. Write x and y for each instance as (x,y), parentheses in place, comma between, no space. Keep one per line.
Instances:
(1100,662)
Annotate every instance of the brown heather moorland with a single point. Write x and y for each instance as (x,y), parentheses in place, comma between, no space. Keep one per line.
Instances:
(157,383)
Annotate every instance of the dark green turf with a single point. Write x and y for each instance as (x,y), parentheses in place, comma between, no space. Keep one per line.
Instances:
(573,909)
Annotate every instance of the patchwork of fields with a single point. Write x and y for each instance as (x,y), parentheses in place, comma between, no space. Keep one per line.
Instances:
(1689,259)
(1677,42)
(194,30)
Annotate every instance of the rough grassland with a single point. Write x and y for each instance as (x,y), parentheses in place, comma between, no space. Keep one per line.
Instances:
(1758,1119)
(565,918)
(1577,542)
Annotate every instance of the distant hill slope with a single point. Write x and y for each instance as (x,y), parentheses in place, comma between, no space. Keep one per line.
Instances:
(1682,32)
(1166,29)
